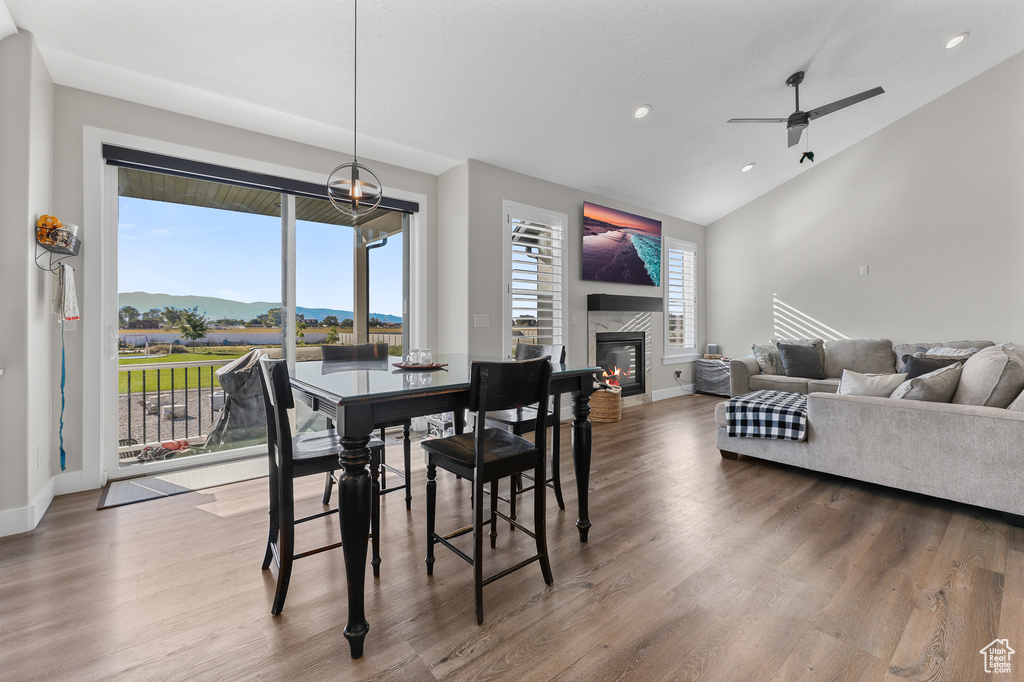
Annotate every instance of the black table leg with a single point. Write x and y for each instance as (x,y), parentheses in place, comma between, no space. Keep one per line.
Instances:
(354,506)
(581,441)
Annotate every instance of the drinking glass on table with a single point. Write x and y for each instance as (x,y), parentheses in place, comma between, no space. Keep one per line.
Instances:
(426,358)
(413,358)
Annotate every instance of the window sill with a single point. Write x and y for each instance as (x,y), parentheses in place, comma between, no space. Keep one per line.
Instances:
(679,359)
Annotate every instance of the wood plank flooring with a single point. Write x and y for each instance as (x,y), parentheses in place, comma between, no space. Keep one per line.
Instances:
(697,568)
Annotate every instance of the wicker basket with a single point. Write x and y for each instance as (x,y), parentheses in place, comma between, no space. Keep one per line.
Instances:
(606,405)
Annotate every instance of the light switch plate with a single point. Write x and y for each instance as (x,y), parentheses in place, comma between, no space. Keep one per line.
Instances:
(863,269)
(482,320)
(573,321)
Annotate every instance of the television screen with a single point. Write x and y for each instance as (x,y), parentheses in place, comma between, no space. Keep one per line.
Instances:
(620,247)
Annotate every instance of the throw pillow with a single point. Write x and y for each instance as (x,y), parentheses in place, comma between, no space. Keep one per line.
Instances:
(801,361)
(911,348)
(1018,404)
(993,377)
(867,356)
(768,358)
(817,343)
(877,385)
(914,366)
(937,386)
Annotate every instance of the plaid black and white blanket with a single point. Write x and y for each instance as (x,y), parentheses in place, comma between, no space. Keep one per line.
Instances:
(768,414)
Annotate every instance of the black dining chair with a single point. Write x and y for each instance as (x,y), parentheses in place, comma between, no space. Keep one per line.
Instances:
(523,420)
(362,354)
(489,454)
(294,456)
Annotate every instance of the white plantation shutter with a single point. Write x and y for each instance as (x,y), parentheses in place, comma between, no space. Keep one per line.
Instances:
(680,297)
(534,276)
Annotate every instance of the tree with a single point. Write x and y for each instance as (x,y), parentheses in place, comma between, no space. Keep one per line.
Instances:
(330,320)
(192,325)
(300,331)
(153,315)
(347,322)
(172,316)
(126,315)
(375,322)
(271,318)
(332,335)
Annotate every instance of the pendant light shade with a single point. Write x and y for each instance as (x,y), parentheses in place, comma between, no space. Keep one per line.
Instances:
(353,188)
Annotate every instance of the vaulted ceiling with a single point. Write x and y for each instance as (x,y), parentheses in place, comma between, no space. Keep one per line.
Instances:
(546,88)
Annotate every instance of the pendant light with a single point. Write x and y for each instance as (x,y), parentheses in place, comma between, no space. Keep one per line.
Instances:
(351,194)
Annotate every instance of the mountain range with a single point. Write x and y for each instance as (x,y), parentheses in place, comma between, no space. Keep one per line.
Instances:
(222,308)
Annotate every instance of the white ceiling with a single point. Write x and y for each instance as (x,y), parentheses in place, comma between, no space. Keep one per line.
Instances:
(546,88)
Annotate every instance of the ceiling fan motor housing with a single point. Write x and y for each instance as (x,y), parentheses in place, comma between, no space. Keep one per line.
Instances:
(798,119)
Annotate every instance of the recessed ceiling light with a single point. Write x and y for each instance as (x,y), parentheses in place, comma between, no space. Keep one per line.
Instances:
(746,168)
(956,40)
(642,111)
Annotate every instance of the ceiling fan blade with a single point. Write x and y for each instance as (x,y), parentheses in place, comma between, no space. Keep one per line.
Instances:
(843,103)
(757,120)
(794,135)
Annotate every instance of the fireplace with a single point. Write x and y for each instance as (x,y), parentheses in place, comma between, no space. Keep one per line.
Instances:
(621,356)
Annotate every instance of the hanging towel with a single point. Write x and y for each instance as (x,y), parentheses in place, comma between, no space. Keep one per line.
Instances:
(65,299)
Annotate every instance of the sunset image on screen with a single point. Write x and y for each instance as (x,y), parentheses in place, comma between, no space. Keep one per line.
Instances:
(620,247)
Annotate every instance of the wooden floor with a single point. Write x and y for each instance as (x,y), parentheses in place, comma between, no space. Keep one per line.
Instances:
(697,567)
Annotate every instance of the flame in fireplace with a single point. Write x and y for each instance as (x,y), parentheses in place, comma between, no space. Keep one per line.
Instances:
(612,378)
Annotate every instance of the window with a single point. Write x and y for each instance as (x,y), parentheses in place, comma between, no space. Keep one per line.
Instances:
(680,298)
(534,285)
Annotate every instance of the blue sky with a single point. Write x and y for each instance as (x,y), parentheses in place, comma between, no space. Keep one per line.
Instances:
(187,250)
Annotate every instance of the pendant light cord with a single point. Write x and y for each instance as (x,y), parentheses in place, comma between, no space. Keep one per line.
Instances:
(355,73)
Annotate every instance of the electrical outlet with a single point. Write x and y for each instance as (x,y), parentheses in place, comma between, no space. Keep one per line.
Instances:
(482,320)
(679,373)
(573,322)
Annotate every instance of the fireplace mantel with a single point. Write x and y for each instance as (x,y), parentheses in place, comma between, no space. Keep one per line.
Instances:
(614,302)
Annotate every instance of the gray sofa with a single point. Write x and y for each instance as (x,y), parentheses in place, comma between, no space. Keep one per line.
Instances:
(963,453)
(868,356)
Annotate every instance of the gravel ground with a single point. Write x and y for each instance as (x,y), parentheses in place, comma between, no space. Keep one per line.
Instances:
(200,417)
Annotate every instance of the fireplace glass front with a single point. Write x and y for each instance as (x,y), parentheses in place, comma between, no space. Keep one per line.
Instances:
(621,356)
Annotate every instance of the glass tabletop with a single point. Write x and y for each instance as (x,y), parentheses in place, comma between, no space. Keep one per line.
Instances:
(379,378)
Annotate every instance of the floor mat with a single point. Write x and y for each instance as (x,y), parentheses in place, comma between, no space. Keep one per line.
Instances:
(132,490)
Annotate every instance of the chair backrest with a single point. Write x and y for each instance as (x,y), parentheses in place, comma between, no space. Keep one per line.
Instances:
(506,386)
(277,396)
(363,351)
(529,351)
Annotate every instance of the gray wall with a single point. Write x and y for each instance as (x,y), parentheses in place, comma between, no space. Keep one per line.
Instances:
(933,204)
(488,187)
(26,387)
(75,109)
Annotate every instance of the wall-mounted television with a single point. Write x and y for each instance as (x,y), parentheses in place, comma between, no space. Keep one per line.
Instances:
(620,247)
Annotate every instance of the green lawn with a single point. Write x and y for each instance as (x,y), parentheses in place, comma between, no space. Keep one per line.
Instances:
(197,376)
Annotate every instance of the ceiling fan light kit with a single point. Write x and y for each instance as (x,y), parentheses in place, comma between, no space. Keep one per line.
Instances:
(799,120)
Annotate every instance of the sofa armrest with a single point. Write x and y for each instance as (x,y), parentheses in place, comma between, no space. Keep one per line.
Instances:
(740,371)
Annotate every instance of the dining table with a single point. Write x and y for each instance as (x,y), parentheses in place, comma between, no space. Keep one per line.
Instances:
(360,396)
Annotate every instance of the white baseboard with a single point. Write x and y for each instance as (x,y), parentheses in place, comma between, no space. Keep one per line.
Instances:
(24,519)
(672,392)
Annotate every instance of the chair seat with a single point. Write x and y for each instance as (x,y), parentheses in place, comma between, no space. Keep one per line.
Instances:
(319,449)
(504,453)
(522,420)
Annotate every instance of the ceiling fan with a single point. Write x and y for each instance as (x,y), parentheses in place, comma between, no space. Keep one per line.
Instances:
(798,120)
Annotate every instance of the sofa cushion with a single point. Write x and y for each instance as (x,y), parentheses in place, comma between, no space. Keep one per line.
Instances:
(865,356)
(801,361)
(823,386)
(914,367)
(817,343)
(1018,404)
(960,354)
(993,377)
(776,382)
(878,385)
(911,348)
(768,358)
(937,386)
